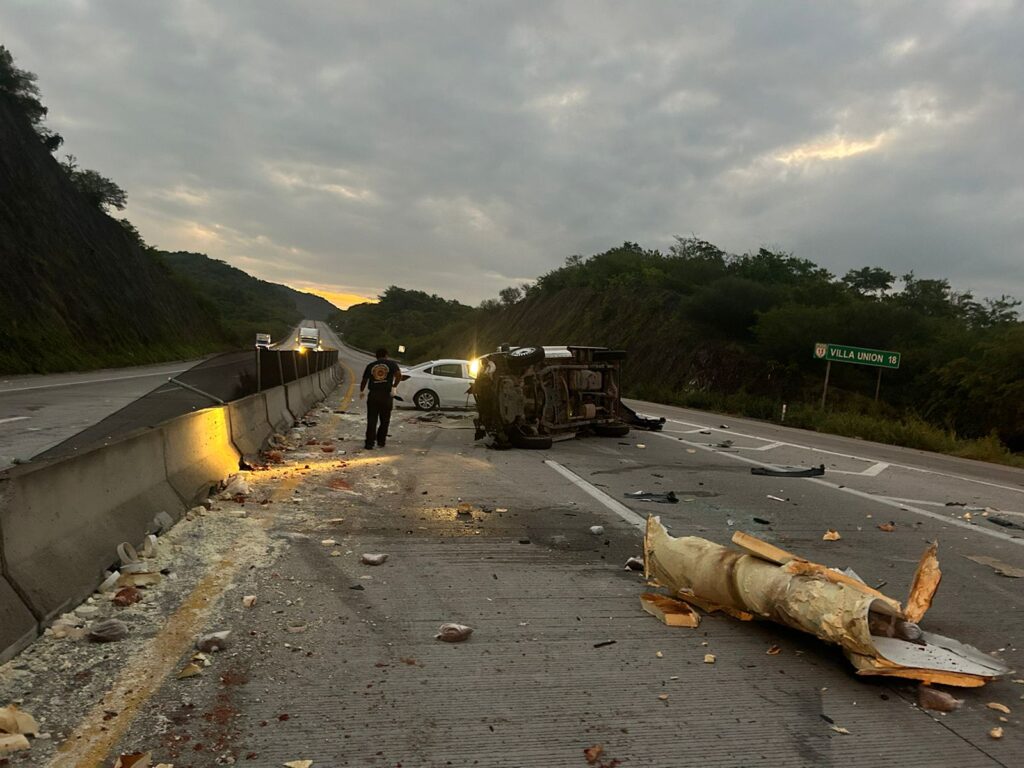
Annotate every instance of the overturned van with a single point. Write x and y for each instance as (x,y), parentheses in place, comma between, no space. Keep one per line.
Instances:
(528,397)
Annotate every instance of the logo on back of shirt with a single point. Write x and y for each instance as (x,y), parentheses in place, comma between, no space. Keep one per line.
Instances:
(379,372)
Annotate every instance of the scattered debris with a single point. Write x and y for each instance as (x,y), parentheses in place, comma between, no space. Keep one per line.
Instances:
(593,754)
(998,566)
(215,641)
(190,670)
(831,535)
(887,527)
(926,583)
(939,701)
(603,643)
(998,707)
(453,633)
(663,696)
(163,522)
(368,558)
(724,444)
(789,471)
(248,601)
(134,760)
(774,650)
(108,631)
(671,612)
(1007,522)
(15,725)
(839,729)
(659,655)
(772,584)
(667,497)
(762,520)
(109,583)
(634,564)
(775,498)
(996,733)
(236,485)
(709,658)
(328,542)
(299,764)
(640,445)
(597,530)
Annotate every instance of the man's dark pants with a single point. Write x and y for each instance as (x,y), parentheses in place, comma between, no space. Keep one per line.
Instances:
(378,409)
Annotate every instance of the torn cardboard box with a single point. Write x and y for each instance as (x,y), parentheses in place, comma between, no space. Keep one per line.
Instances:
(878,636)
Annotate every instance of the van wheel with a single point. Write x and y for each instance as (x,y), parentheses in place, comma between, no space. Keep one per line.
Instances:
(521,439)
(522,358)
(426,400)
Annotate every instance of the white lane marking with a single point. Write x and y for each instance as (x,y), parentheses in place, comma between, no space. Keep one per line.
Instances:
(873,471)
(14,418)
(862,494)
(93,381)
(861,458)
(621,510)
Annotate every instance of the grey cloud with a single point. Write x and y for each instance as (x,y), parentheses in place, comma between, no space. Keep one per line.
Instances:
(457,147)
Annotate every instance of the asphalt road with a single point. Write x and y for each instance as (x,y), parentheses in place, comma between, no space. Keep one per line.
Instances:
(39,412)
(337,662)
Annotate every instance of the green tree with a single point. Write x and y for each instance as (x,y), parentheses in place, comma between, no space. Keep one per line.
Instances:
(870,280)
(98,189)
(21,85)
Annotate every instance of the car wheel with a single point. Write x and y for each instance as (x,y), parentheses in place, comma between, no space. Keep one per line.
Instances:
(611,430)
(521,439)
(522,358)
(426,400)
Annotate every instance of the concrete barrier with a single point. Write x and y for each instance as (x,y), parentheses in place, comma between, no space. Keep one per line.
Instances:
(61,521)
(18,627)
(198,451)
(297,403)
(250,427)
(278,414)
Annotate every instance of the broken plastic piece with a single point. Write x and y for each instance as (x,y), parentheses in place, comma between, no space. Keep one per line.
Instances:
(926,582)
(996,733)
(998,707)
(453,633)
(667,497)
(709,658)
(831,535)
(789,471)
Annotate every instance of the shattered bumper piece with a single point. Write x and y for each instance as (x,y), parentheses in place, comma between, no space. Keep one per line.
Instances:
(769,583)
(789,471)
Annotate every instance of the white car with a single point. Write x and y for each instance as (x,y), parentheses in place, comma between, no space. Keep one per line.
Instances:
(438,384)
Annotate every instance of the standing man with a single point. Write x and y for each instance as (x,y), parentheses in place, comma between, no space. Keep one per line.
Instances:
(381,377)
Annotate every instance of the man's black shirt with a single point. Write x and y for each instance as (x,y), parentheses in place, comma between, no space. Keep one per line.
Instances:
(381,376)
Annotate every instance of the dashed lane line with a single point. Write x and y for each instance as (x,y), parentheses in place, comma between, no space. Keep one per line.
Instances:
(600,496)
(897,465)
(854,492)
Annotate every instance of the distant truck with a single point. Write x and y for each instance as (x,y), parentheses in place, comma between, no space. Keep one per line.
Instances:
(263,341)
(309,338)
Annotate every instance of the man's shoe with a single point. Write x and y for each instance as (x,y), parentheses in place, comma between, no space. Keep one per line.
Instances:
(381,443)
(368,446)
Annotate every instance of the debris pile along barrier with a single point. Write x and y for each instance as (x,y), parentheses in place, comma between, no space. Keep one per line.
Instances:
(61,519)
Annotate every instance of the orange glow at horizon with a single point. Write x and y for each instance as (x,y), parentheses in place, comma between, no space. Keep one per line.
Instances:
(340,299)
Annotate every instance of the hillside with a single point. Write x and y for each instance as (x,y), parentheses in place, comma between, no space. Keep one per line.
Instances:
(735,333)
(247,304)
(76,289)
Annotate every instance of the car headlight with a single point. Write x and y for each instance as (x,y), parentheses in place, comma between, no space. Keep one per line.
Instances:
(474,368)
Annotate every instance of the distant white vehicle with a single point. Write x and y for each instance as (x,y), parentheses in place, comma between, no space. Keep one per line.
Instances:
(309,338)
(263,341)
(438,384)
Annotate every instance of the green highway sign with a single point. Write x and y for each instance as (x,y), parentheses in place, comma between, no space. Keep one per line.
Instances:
(880,358)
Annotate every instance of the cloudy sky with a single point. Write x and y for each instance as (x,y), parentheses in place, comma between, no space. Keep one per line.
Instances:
(458,147)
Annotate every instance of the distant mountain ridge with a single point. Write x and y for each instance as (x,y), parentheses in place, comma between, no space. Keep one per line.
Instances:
(247,304)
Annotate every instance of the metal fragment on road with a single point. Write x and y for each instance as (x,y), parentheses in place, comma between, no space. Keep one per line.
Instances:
(773,471)
(660,497)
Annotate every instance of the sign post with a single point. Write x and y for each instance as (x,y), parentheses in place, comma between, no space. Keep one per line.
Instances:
(879,358)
